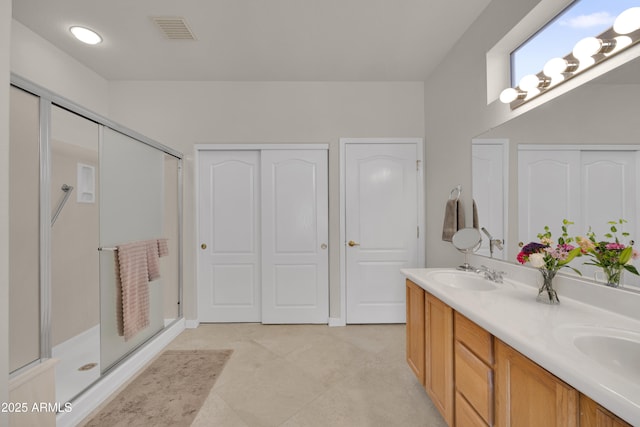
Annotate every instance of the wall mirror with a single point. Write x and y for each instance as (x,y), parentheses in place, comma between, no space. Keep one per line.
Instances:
(588,143)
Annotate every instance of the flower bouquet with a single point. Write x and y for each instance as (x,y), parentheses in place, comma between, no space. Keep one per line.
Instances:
(549,257)
(612,257)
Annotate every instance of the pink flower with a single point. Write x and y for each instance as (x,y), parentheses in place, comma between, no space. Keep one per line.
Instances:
(615,246)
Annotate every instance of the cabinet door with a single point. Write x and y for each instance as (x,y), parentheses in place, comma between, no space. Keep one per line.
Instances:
(439,355)
(594,415)
(527,395)
(415,329)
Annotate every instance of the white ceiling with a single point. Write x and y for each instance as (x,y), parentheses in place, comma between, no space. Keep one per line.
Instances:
(258,40)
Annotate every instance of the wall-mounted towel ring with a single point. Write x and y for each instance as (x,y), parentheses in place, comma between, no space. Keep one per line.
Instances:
(455,193)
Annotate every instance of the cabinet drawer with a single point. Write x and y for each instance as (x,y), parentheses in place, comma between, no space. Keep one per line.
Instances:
(466,416)
(475,338)
(474,381)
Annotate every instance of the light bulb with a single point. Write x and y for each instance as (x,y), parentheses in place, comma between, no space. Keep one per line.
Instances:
(509,95)
(585,63)
(85,35)
(587,47)
(532,93)
(529,82)
(590,46)
(555,66)
(621,43)
(628,21)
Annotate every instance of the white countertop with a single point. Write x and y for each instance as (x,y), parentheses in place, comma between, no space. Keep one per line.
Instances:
(512,314)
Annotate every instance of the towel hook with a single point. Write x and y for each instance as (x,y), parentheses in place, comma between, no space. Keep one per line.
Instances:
(457,191)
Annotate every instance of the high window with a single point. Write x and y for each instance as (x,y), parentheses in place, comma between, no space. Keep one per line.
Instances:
(583,18)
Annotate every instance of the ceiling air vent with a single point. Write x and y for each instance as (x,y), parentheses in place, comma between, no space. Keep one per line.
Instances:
(174,27)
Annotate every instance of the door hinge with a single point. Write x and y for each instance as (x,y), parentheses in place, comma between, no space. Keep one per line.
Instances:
(418,165)
(418,232)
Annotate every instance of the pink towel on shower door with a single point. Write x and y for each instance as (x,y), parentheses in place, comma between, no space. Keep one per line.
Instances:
(132,280)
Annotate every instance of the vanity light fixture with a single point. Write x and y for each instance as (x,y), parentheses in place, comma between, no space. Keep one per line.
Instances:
(85,35)
(586,53)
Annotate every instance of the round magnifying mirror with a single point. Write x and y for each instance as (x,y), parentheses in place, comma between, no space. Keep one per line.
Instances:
(467,240)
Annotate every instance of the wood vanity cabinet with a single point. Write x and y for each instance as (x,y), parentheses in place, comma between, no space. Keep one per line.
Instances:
(528,395)
(415,329)
(438,372)
(473,374)
(474,379)
(594,415)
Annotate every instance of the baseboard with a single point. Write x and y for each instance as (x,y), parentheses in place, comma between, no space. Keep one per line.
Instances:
(91,399)
(192,324)
(336,321)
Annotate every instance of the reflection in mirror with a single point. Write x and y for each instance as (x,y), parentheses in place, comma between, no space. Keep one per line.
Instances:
(467,240)
(575,157)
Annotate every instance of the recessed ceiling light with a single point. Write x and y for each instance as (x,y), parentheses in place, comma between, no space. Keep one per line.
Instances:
(85,35)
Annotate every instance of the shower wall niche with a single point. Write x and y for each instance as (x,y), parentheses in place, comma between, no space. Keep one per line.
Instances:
(80,188)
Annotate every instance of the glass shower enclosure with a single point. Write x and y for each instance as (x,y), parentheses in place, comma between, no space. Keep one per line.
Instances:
(81,188)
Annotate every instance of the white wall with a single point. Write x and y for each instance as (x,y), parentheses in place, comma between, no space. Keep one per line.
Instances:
(37,60)
(456,110)
(5,25)
(181,114)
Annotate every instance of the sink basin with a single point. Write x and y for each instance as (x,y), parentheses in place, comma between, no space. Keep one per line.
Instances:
(463,280)
(617,350)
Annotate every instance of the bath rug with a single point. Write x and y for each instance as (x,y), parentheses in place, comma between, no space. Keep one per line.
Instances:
(169,392)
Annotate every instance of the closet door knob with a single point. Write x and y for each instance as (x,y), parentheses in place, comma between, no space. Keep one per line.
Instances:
(203,246)
(352,243)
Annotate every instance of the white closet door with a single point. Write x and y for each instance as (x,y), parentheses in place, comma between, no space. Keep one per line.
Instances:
(229,229)
(382,224)
(549,178)
(295,281)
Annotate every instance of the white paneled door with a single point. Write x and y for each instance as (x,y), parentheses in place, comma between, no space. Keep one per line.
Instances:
(229,265)
(381,229)
(263,230)
(295,274)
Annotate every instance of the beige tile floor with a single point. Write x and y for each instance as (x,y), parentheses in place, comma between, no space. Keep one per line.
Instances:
(311,375)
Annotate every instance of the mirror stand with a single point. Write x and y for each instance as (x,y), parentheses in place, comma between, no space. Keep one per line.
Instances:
(467,240)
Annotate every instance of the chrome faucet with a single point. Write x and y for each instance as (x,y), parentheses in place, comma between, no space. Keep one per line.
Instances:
(492,242)
(493,275)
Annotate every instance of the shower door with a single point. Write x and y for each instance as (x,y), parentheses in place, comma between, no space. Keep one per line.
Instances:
(75,291)
(131,210)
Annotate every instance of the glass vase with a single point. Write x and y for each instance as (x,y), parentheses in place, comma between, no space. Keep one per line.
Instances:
(613,275)
(546,293)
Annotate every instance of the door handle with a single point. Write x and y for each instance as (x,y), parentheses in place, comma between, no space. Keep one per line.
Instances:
(203,246)
(352,243)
